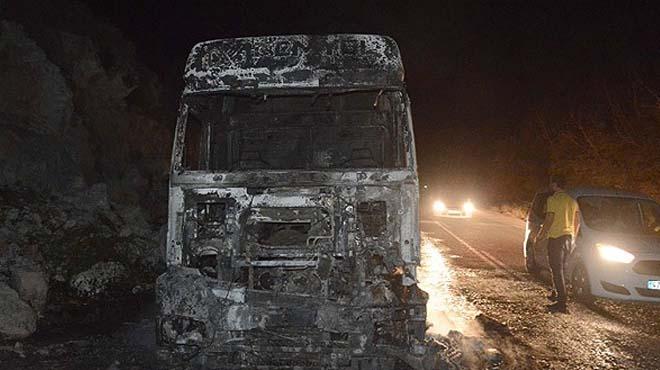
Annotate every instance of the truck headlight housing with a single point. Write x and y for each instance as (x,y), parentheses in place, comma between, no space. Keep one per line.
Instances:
(614,254)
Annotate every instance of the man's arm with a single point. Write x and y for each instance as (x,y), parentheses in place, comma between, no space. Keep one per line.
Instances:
(543,233)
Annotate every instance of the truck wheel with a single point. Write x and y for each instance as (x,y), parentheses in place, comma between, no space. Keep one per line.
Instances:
(530,262)
(580,288)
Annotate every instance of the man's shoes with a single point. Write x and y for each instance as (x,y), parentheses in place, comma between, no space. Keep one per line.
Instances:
(553,296)
(557,307)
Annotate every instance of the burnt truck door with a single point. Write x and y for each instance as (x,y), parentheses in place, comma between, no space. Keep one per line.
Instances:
(293,234)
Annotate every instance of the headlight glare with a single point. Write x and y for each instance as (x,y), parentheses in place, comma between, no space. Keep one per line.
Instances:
(614,254)
(468,207)
(439,206)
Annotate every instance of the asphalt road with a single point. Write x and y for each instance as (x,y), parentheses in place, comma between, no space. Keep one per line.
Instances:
(475,265)
(470,267)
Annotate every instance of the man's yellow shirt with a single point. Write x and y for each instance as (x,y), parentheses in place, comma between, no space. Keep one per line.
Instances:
(564,207)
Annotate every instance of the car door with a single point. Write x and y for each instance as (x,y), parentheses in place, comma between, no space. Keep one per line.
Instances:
(535,220)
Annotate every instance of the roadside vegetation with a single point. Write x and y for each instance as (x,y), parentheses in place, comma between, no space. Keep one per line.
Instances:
(607,137)
(618,147)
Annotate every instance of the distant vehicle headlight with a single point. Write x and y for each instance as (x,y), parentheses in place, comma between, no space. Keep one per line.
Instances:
(614,254)
(439,206)
(468,207)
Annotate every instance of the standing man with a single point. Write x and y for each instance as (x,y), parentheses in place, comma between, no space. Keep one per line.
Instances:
(560,225)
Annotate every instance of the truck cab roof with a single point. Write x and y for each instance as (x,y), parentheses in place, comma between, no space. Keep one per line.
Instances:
(344,61)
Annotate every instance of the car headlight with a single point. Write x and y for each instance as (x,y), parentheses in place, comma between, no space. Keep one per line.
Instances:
(468,207)
(614,254)
(439,206)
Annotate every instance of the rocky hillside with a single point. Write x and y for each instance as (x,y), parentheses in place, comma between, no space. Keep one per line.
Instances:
(76,108)
(84,152)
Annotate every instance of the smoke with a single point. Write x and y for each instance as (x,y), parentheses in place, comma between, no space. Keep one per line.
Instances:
(475,341)
(446,310)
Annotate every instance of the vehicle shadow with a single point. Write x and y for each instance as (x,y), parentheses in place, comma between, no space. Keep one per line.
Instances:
(621,312)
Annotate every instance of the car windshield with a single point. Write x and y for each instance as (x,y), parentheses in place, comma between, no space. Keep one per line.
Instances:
(650,217)
(621,215)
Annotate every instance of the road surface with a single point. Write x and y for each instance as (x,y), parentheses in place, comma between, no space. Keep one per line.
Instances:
(472,266)
(469,267)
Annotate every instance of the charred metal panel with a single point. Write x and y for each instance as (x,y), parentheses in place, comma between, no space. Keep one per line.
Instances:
(295,61)
(373,217)
(300,178)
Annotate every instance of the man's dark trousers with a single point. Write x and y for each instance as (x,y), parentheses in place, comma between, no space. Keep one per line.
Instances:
(558,250)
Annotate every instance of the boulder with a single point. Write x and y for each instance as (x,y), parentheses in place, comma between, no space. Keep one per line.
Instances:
(34,94)
(36,109)
(134,223)
(98,278)
(93,198)
(31,287)
(17,319)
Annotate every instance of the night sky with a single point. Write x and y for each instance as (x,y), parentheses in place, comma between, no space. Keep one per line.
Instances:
(475,70)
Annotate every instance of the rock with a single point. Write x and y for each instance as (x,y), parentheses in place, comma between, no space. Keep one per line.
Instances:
(19,349)
(492,326)
(134,222)
(4,246)
(98,278)
(93,198)
(77,108)
(59,276)
(31,287)
(35,95)
(39,161)
(36,108)
(16,348)
(113,366)
(494,356)
(17,319)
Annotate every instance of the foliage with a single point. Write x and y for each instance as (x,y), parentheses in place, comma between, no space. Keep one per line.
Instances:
(618,147)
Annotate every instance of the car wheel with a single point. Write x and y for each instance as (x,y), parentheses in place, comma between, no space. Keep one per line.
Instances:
(580,288)
(530,262)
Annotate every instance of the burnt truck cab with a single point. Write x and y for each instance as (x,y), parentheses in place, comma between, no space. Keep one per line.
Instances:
(293,235)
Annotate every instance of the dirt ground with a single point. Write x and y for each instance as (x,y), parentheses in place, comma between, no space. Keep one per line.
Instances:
(473,271)
(485,270)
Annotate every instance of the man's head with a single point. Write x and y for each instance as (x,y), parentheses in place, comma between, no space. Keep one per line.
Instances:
(557,183)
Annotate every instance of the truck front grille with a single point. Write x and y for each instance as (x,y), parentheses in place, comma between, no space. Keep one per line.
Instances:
(282,233)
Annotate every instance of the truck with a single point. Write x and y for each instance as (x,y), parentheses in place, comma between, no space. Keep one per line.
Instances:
(293,229)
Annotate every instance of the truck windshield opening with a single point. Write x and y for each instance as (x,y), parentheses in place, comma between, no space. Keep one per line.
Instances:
(357,129)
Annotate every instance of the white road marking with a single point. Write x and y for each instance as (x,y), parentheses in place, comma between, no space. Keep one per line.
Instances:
(485,256)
